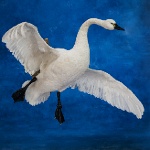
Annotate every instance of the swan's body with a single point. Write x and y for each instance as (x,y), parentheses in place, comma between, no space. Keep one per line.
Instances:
(60,68)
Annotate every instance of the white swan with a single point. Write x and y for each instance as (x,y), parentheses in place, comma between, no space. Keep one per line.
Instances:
(60,68)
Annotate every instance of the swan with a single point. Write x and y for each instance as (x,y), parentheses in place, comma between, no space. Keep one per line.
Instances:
(56,69)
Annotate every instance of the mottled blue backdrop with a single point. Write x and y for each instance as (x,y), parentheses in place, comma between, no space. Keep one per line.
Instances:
(91,124)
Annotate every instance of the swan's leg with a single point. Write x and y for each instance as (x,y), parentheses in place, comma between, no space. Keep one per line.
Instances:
(58,113)
(36,73)
(20,94)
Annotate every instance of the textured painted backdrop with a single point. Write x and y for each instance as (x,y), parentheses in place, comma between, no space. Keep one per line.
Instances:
(90,123)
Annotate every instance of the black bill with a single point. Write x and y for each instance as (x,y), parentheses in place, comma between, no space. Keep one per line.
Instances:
(118,27)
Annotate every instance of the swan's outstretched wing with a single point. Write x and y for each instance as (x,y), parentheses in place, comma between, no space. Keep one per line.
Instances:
(103,86)
(27,46)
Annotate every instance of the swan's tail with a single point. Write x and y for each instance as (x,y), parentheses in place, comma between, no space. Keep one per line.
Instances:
(33,94)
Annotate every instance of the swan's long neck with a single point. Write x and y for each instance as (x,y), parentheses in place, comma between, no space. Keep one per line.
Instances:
(81,43)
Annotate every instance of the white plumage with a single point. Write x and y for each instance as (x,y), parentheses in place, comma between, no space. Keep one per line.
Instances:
(60,68)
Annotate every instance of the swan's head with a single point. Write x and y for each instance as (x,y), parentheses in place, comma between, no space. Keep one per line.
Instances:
(110,24)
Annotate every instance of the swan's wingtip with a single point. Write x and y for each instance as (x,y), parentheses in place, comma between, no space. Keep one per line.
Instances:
(140,116)
(7,37)
(4,37)
(141,112)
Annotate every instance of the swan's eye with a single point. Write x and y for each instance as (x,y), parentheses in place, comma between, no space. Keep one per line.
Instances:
(113,24)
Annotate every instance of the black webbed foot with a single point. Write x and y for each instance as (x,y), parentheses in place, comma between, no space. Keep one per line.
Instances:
(20,94)
(58,113)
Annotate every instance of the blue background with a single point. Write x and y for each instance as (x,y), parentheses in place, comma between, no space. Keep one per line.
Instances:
(91,123)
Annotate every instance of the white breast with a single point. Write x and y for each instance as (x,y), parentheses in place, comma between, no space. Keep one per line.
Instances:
(65,70)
